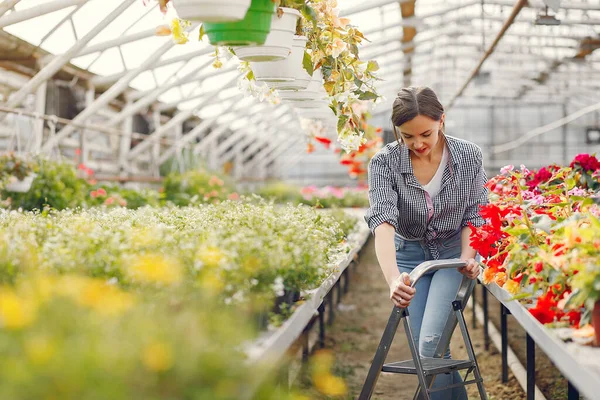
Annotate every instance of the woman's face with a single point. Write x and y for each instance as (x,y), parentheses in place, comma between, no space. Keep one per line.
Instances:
(421,134)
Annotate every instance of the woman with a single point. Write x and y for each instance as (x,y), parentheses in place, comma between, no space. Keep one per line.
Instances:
(424,190)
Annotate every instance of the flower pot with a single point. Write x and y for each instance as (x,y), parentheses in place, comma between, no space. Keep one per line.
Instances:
(315,113)
(21,186)
(288,74)
(596,321)
(211,10)
(318,104)
(251,30)
(278,45)
(314,90)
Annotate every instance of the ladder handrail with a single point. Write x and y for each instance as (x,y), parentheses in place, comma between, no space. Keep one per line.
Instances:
(433,265)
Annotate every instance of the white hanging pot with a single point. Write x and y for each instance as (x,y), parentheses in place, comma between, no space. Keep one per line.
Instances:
(314,91)
(212,10)
(278,45)
(315,113)
(319,104)
(288,74)
(21,186)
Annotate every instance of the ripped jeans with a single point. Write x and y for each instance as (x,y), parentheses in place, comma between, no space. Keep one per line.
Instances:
(432,304)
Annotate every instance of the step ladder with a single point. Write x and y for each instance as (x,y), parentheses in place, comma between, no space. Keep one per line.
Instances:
(426,369)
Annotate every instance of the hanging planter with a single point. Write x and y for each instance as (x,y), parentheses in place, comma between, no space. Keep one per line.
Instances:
(318,104)
(252,30)
(314,91)
(316,113)
(288,74)
(211,10)
(278,45)
(21,186)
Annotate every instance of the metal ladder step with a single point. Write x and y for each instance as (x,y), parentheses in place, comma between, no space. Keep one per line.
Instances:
(431,366)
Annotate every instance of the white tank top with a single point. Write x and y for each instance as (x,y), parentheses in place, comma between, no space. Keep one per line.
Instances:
(434,185)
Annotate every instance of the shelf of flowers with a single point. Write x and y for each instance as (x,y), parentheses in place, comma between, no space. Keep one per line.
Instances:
(540,247)
(152,302)
(272,345)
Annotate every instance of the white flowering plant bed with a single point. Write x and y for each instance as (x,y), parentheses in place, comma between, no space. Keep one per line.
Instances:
(128,304)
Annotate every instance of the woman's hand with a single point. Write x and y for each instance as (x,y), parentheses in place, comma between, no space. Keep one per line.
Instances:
(471,270)
(401,293)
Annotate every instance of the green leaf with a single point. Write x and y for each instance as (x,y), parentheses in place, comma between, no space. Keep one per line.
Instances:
(307,63)
(309,14)
(250,75)
(342,122)
(372,66)
(367,96)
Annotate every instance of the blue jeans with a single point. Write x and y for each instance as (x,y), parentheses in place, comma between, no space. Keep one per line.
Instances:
(432,304)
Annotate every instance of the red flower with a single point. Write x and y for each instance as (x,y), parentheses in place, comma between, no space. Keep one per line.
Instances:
(538,267)
(587,162)
(545,308)
(325,141)
(542,176)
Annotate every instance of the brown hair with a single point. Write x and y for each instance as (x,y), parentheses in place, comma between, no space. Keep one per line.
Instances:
(412,101)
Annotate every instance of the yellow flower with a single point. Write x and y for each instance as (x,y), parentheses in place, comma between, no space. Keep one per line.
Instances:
(511,286)
(154,268)
(15,312)
(330,385)
(39,349)
(210,256)
(180,36)
(144,237)
(157,356)
(105,299)
(211,281)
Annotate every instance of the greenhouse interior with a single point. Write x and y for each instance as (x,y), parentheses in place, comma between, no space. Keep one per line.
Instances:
(204,199)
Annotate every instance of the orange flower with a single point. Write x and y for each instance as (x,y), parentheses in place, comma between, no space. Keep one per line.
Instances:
(488,275)
(511,286)
(500,278)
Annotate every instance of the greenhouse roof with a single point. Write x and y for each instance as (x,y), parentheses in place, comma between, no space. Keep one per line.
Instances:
(467,50)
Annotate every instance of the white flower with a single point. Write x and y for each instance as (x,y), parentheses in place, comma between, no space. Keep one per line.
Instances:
(350,141)
(338,47)
(278,287)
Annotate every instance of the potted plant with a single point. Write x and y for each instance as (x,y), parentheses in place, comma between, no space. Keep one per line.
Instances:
(251,30)
(16,174)
(210,10)
(278,45)
(288,74)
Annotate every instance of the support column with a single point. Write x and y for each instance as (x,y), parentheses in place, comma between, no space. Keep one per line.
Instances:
(125,146)
(40,108)
(156,146)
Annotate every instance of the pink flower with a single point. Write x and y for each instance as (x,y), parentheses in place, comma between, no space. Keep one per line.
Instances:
(101,192)
(215,181)
(506,169)
(109,201)
(123,203)
(524,169)
(233,196)
(576,191)
(94,194)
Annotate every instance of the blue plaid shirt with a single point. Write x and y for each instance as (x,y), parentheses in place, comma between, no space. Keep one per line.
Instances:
(396,197)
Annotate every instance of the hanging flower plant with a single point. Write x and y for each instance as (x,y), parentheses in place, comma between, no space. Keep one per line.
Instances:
(333,47)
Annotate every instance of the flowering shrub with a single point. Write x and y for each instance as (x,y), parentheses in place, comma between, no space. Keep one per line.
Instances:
(238,250)
(542,238)
(325,197)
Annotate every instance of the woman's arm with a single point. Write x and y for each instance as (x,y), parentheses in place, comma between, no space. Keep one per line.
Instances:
(401,292)
(386,252)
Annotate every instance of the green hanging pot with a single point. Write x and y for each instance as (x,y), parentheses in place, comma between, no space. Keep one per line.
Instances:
(252,30)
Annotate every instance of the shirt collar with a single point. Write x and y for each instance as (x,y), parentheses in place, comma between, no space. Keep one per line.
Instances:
(406,165)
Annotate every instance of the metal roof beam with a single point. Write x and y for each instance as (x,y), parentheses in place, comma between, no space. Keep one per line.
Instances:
(59,61)
(109,79)
(109,95)
(177,119)
(117,42)
(7,5)
(37,11)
